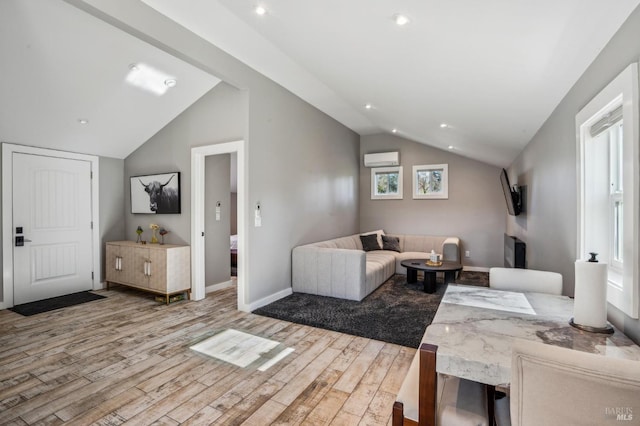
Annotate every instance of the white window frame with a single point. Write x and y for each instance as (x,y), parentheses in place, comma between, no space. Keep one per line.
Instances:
(443,194)
(623,290)
(386,170)
(615,196)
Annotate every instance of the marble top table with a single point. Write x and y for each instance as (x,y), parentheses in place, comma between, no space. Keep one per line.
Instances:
(474,328)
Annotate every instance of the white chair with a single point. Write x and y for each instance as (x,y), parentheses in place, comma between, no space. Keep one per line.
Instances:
(516,279)
(428,398)
(551,385)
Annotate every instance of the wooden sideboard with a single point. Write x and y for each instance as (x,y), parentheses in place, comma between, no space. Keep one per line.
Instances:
(161,269)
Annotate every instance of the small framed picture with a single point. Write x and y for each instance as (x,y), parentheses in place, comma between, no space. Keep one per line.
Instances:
(156,194)
(431,181)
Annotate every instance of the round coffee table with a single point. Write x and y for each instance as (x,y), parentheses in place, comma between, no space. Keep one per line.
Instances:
(415,265)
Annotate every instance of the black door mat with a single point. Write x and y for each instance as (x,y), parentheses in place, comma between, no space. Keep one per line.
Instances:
(46,305)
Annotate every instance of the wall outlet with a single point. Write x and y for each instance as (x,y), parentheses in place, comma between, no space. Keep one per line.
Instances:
(467,253)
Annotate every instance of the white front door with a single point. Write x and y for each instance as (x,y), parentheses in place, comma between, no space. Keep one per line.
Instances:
(52,206)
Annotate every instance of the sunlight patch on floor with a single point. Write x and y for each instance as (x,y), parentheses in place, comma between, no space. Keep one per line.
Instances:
(242,349)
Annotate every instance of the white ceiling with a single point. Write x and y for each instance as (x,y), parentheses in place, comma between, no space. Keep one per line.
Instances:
(493,70)
(59,65)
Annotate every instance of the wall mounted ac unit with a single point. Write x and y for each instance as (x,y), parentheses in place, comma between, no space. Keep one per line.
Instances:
(382,159)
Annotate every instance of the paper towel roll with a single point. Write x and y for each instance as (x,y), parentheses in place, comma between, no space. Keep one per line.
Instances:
(590,298)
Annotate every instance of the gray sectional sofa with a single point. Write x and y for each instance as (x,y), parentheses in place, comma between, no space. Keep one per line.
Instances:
(341,268)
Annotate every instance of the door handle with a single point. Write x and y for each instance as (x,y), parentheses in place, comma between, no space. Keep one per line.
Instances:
(20,240)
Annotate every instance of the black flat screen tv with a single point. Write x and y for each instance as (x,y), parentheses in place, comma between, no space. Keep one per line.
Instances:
(511,196)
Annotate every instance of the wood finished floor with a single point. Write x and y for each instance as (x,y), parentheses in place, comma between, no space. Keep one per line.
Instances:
(126,360)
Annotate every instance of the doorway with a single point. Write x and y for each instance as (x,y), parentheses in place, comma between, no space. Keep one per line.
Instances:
(198,156)
(50,244)
(220,222)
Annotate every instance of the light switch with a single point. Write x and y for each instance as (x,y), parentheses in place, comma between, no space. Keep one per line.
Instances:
(258,216)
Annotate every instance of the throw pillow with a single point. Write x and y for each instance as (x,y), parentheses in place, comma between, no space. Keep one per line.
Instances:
(370,242)
(379,233)
(391,243)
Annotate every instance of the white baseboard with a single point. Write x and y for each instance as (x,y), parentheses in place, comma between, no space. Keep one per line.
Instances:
(475,268)
(269,299)
(219,286)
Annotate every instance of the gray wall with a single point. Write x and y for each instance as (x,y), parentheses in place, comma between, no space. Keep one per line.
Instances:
(302,165)
(1,231)
(475,211)
(219,116)
(112,184)
(216,247)
(547,166)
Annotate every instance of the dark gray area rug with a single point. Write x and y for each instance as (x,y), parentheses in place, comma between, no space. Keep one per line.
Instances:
(397,312)
(46,305)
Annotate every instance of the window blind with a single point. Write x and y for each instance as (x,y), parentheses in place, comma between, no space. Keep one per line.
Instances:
(605,122)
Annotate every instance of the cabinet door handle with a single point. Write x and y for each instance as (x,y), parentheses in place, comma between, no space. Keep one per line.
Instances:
(149,268)
(119,264)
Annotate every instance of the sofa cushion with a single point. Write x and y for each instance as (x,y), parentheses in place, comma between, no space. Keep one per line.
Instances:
(390,243)
(423,243)
(370,242)
(352,242)
(380,267)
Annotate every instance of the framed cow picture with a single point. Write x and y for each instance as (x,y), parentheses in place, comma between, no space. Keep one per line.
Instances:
(156,194)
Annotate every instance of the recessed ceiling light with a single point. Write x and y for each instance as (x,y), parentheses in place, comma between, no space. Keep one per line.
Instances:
(83,121)
(444,125)
(394,130)
(450,146)
(401,19)
(133,67)
(260,10)
(170,82)
(368,106)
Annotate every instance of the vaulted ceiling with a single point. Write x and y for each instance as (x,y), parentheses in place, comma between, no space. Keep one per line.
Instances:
(478,78)
(64,81)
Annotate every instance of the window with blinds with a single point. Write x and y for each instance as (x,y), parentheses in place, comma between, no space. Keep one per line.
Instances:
(606,122)
(608,188)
